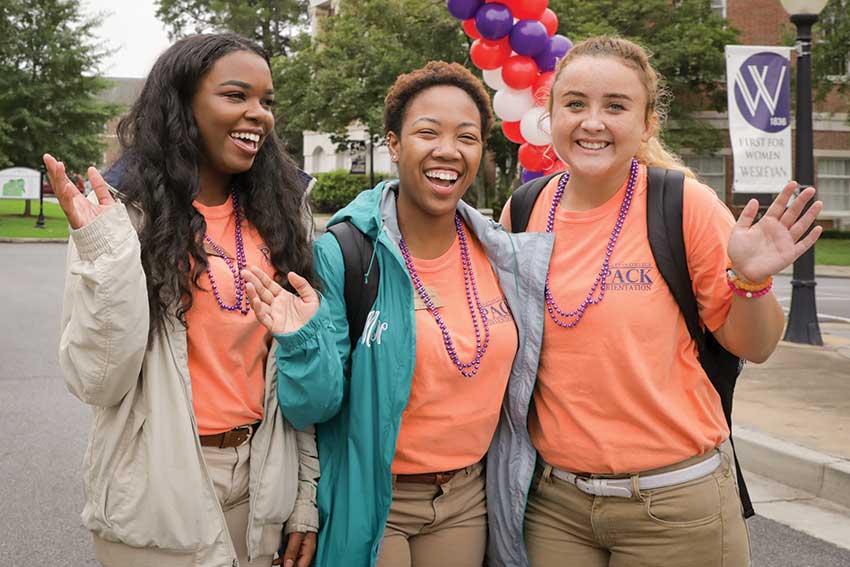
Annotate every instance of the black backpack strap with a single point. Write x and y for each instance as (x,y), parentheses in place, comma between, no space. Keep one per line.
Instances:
(665,197)
(362,276)
(523,199)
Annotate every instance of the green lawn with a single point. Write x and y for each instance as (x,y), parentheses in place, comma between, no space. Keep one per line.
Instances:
(833,252)
(13,223)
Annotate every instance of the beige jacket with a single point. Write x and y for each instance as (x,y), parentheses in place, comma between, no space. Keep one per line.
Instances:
(146,483)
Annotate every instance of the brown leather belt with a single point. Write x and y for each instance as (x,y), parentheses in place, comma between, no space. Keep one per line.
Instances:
(428,478)
(233,438)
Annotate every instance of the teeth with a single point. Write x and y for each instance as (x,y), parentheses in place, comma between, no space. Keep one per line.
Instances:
(444,175)
(246,136)
(592,145)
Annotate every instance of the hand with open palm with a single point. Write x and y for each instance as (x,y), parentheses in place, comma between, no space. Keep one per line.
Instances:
(760,250)
(78,210)
(277,309)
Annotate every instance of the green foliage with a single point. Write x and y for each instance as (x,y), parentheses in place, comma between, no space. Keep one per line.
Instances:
(48,83)
(831,51)
(335,189)
(343,76)
(687,41)
(271,23)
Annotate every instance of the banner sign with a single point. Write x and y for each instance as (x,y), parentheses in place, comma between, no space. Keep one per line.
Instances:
(758,83)
(20,183)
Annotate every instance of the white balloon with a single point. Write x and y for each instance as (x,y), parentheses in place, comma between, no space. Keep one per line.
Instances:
(493,78)
(535,127)
(511,105)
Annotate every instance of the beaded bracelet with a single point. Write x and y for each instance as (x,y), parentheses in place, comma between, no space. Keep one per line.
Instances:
(749,294)
(732,277)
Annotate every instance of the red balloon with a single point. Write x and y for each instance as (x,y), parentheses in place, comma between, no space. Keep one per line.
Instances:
(533,158)
(550,20)
(470,29)
(512,133)
(555,168)
(528,9)
(490,54)
(542,87)
(519,72)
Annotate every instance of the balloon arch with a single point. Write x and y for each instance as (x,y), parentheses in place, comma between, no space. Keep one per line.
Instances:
(516,48)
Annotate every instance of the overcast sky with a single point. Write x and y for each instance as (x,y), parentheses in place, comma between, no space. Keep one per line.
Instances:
(132,29)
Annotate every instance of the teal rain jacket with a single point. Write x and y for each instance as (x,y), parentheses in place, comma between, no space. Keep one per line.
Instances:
(357,402)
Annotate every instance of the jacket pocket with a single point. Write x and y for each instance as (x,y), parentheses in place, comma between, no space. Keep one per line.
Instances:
(124,487)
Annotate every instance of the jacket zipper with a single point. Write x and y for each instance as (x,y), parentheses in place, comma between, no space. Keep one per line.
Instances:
(227,540)
(252,494)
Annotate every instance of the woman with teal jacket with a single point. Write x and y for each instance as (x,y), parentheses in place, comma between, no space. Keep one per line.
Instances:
(406,415)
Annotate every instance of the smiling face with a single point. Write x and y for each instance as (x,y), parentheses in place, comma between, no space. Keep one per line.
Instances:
(438,150)
(599,116)
(233,110)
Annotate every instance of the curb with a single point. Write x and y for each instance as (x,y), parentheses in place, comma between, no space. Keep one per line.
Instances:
(7,240)
(825,476)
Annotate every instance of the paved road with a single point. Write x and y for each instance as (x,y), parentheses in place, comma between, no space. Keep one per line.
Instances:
(43,434)
(831,294)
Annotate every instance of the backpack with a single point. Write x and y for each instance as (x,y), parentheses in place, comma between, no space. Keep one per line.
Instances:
(360,290)
(665,189)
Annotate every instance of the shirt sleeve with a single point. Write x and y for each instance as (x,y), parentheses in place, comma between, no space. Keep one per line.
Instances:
(706,225)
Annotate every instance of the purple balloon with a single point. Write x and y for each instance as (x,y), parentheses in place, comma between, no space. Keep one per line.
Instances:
(494,21)
(463,9)
(526,175)
(545,60)
(529,37)
(559,45)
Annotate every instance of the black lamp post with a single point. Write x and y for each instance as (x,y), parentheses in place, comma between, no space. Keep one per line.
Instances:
(803,317)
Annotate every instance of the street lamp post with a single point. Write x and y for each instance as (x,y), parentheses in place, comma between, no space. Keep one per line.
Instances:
(803,317)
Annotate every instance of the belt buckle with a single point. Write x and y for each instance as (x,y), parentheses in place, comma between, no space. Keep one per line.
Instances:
(601,487)
(249,432)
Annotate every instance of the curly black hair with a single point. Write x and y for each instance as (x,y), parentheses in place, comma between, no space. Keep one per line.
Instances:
(435,73)
(160,163)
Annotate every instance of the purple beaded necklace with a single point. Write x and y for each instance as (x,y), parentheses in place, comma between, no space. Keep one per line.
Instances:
(241,263)
(600,283)
(467,369)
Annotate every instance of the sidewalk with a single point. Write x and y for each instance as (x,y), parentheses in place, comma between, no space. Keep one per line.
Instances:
(792,416)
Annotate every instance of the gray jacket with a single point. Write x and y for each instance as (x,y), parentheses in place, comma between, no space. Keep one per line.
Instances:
(145,479)
(521,262)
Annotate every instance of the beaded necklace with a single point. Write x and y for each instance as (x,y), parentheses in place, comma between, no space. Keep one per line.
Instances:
(467,369)
(236,270)
(600,283)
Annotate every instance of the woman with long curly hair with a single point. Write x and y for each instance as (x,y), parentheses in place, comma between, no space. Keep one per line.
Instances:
(190,461)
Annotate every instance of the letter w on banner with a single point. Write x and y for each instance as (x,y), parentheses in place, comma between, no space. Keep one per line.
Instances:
(759,89)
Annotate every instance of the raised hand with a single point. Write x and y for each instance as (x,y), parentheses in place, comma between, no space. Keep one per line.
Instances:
(277,309)
(760,250)
(78,210)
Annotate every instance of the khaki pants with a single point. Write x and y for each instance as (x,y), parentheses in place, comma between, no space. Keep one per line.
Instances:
(437,526)
(694,524)
(230,471)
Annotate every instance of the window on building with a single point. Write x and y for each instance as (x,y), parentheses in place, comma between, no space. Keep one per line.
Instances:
(719,7)
(318,155)
(834,183)
(711,170)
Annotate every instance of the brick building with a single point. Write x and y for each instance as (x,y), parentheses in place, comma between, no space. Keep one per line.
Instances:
(765,22)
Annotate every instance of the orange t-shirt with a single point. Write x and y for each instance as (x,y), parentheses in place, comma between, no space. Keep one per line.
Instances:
(623,391)
(449,419)
(227,350)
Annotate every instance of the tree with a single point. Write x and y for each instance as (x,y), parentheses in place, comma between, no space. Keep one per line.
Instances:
(831,53)
(48,83)
(271,23)
(687,41)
